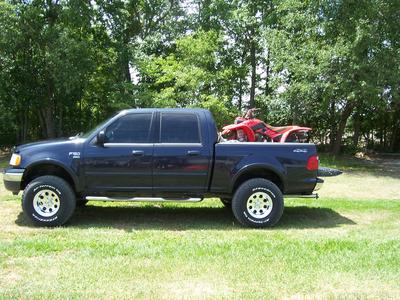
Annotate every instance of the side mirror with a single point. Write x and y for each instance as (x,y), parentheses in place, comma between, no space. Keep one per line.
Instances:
(101,137)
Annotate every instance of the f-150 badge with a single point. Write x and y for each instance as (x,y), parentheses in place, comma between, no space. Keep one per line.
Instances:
(75,154)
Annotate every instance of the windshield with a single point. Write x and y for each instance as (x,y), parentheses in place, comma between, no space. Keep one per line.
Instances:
(88,133)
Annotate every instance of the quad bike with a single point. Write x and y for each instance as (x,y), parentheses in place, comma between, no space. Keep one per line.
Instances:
(250,129)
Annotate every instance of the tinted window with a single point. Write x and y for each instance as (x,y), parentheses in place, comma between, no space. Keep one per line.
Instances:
(179,128)
(132,128)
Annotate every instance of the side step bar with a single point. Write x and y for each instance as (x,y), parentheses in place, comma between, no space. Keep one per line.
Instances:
(314,196)
(142,199)
(150,199)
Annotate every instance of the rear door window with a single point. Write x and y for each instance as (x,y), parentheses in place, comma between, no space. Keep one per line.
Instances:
(179,128)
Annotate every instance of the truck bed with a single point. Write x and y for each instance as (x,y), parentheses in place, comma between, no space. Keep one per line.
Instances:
(286,161)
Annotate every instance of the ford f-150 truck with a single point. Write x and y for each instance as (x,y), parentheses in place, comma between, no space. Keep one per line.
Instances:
(160,155)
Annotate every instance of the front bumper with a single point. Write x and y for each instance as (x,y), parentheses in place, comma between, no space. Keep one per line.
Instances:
(12,179)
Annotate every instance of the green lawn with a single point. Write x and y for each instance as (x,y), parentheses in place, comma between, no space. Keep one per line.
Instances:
(3,161)
(334,247)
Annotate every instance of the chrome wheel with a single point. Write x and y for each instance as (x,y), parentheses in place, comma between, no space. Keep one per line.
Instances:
(259,205)
(46,203)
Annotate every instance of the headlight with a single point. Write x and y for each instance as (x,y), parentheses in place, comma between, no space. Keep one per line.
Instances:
(15,160)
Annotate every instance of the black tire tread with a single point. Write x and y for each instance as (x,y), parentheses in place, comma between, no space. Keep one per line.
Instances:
(240,194)
(61,183)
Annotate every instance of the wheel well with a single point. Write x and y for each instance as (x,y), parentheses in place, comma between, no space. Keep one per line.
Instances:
(46,169)
(259,173)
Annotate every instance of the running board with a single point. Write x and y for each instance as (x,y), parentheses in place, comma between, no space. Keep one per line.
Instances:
(314,196)
(142,199)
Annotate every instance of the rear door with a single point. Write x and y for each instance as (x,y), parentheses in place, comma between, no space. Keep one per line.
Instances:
(180,161)
(124,163)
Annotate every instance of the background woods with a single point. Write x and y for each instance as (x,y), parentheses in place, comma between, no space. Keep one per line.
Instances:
(330,65)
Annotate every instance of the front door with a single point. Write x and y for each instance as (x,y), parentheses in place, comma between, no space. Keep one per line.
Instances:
(124,163)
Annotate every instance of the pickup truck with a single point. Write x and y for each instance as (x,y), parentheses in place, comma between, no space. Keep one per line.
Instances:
(160,155)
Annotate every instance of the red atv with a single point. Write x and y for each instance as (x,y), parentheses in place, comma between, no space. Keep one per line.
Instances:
(250,129)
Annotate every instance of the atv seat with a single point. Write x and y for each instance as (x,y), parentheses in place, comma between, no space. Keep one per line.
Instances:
(277,129)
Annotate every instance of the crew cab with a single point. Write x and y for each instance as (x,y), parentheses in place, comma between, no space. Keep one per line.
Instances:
(160,155)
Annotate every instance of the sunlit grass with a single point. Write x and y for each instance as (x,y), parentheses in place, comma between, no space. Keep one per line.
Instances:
(335,247)
(362,179)
(3,162)
(319,249)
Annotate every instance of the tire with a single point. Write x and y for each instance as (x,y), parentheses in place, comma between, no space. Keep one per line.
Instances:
(48,201)
(227,202)
(258,203)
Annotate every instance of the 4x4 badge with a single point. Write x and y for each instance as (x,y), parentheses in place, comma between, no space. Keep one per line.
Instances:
(298,150)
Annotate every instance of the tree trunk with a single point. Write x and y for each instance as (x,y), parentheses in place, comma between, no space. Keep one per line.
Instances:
(395,145)
(48,111)
(332,133)
(25,126)
(42,123)
(267,75)
(348,109)
(395,141)
(295,112)
(240,93)
(48,117)
(60,129)
(127,70)
(242,62)
(356,136)
(253,69)
(385,133)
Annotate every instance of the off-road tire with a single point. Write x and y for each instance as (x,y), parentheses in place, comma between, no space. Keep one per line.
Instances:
(268,209)
(62,201)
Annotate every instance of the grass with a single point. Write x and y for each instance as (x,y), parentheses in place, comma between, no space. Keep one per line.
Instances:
(362,179)
(336,247)
(3,161)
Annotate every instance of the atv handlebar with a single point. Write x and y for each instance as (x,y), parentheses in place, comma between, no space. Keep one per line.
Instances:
(249,114)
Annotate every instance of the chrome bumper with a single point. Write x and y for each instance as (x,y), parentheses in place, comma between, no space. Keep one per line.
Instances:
(12,179)
(13,176)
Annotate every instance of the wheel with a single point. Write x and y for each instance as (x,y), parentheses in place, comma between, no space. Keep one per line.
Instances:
(48,201)
(258,203)
(227,202)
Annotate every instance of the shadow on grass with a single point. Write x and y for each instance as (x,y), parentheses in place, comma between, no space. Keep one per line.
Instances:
(186,218)
(380,166)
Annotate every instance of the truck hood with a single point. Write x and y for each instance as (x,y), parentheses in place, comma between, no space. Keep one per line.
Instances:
(48,143)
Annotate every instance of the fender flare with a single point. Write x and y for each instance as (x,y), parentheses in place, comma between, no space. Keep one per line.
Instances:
(294,129)
(49,161)
(251,167)
(247,130)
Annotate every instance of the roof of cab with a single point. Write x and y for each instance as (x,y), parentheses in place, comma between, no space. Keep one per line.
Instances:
(193,110)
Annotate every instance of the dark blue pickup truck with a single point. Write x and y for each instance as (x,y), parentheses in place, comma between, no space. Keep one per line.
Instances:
(160,155)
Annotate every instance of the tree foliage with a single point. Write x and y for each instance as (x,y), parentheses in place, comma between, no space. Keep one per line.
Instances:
(65,65)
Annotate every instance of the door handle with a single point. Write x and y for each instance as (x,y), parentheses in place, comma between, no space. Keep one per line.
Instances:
(137,152)
(193,152)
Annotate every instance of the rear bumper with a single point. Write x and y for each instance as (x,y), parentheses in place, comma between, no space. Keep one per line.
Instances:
(12,179)
(319,184)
